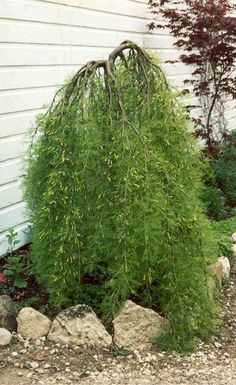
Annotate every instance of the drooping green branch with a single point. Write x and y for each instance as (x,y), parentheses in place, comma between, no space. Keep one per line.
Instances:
(112,187)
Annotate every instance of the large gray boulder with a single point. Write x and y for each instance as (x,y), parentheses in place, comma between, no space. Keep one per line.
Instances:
(31,324)
(7,313)
(135,327)
(216,270)
(79,325)
(220,269)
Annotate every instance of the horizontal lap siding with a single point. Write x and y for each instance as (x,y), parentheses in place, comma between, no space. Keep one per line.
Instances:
(43,43)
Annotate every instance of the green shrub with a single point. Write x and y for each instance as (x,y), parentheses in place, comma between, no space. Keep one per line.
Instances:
(223,230)
(226,227)
(225,170)
(113,181)
(225,247)
(212,198)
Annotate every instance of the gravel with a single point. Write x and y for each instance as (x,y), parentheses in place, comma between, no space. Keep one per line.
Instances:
(44,363)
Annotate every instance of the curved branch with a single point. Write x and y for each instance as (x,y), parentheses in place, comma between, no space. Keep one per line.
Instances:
(86,71)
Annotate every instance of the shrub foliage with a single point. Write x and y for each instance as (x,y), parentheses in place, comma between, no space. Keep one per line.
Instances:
(225,169)
(112,186)
(205,30)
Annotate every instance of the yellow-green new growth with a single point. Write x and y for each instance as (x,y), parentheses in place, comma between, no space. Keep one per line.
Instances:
(112,185)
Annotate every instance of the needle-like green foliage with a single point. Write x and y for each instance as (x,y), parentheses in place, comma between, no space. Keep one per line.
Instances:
(112,185)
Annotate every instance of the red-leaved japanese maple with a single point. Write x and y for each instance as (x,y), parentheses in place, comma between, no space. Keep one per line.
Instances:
(205,31)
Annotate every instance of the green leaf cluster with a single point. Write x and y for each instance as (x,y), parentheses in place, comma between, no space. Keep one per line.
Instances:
(16,266)
(113,187)
(225,170)
(223,230)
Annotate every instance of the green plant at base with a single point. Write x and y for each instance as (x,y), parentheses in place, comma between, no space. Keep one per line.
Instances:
(113,184)
(14,270)
(33,301)
(121,351)
(16,266)
(12,240)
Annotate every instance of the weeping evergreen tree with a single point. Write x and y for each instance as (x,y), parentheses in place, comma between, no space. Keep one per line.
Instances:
(112,186)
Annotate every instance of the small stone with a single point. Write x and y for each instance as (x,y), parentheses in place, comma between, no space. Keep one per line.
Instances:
(52,351)
(212,356)
(227,361)
(34,365)
(20,374)
(40,370)
(23,351)
(38,356)
(26,344)
(15,354)
(190,372)
(147,372)
(32,324)
(67,370)
(218,345)
(5,337)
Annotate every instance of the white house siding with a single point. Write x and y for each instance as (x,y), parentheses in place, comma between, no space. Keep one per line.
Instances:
(42,42)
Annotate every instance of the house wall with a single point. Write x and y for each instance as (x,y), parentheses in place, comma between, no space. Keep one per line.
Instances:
(42,42)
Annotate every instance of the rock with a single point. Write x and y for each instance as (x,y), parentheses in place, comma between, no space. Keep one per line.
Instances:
(135,326)
(38,356)
(5,337)
(226,266)
(32,324)
(7,313)
(79,325)
(211,287)
(34,365)
(233,237)
(234,250)
(217,271)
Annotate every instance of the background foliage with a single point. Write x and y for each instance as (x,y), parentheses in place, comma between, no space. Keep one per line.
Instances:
(219,190)
(205,31)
